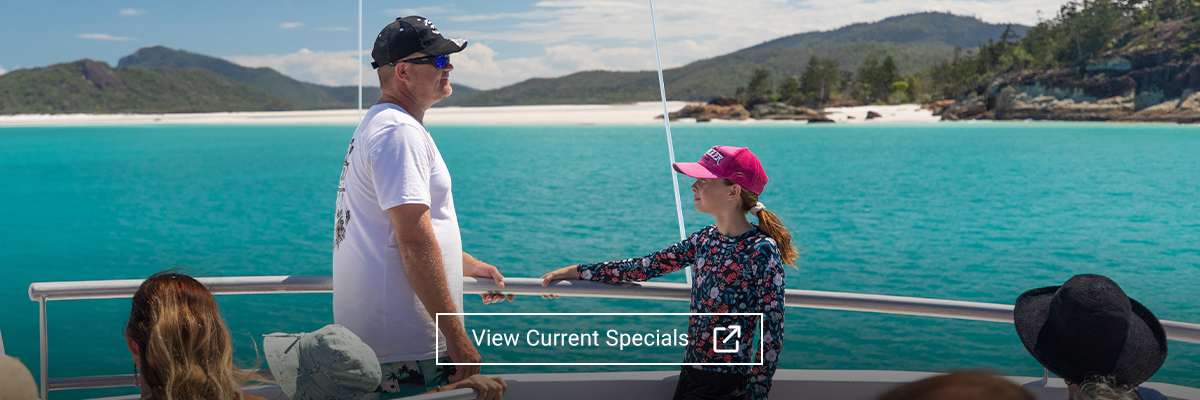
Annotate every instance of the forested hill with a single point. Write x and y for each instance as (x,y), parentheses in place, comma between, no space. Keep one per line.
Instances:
(933,27)
(87,86)
(265,79)
(162,80)
(268,80)
(915,42)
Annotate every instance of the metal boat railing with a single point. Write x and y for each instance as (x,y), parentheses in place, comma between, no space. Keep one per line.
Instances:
(43,292)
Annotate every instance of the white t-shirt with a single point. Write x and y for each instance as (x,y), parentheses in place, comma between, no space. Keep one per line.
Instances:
(391,161)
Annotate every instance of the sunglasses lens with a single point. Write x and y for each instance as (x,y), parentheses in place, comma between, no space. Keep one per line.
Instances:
(441,61)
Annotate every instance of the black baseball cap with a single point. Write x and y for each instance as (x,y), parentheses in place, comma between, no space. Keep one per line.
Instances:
(408,35)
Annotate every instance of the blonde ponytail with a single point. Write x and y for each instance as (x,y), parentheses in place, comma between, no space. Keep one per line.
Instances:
(770,225)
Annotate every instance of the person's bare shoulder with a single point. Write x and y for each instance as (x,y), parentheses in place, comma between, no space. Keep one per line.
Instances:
(252,397)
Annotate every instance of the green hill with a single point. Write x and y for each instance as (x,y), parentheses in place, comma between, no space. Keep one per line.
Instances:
(460,92)
(87,86)
(268,80)
(933,27)
(915,41)
(265,79)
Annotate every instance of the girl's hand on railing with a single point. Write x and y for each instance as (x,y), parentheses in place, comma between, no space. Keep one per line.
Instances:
(564,273)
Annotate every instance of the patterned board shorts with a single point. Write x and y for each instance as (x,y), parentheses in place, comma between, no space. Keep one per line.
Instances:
(410,378)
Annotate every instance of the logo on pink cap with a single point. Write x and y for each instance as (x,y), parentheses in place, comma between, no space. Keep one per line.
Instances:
(716,155)
(737,164)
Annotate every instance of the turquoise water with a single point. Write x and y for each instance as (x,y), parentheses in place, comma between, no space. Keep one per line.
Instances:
(975,212)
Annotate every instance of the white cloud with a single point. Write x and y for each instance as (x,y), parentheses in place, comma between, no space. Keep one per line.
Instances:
(103,36)
(478,66)
(132,12)
(2,70)
(324,67)
(290,25)
(432,10)
(333,28)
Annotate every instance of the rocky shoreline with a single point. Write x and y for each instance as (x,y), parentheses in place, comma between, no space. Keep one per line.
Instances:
(1156,78)
(1021,102)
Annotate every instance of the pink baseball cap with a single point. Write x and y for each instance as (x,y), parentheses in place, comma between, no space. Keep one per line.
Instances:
(737,164)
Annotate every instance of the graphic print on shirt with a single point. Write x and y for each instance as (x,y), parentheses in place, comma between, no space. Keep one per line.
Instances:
(342,214)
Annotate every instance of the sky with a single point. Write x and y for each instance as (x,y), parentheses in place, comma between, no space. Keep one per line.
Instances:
(509,40)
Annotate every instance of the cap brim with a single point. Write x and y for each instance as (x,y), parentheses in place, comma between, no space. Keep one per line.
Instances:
(694,170)
(283,357)
(445,46)
(1145,347)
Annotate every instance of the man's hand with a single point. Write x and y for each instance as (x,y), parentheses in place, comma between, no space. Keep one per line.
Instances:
(479,269)
(485,388)
(462,351)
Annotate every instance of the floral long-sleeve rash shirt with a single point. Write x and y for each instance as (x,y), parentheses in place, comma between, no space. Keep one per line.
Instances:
(742,274)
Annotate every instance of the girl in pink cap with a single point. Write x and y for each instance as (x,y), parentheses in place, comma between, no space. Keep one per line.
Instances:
(738,269)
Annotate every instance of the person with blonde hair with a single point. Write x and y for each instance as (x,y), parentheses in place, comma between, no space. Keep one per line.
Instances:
(1101,342)
(180,345)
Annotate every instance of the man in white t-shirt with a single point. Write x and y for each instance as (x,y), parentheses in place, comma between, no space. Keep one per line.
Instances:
(397,251)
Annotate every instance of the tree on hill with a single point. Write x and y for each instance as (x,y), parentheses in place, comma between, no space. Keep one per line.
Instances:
(1081,31)
(789,90)
(876,79)
(820,79)
(757,90)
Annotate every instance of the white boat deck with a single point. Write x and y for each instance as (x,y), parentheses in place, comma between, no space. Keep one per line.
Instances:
(788,384)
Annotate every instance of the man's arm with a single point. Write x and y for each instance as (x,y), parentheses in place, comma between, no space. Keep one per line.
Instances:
(472,267)
(423,266)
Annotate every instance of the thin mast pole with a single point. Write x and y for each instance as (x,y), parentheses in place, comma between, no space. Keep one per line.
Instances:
(360,60)
(662,92)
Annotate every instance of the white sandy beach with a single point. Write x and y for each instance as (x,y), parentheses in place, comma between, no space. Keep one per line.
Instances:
(896,113)
(638,113)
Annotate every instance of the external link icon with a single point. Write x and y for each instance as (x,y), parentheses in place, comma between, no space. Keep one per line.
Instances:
(735,334)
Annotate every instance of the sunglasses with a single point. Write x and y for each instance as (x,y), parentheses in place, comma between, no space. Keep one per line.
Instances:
(438,61)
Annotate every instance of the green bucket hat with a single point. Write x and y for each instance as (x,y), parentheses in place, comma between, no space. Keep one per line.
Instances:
(329,363)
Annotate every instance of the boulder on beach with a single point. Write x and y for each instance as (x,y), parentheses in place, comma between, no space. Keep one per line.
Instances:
(781,111)
(708,112)
(765,111)
(936,107)
(724,101)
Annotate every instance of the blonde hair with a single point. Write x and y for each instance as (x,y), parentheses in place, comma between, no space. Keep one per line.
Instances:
(770,225)
(184,346)
(1105,388)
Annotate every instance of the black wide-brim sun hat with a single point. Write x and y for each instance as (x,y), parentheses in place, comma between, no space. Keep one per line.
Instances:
(1088,327)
